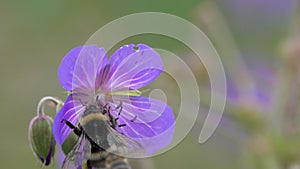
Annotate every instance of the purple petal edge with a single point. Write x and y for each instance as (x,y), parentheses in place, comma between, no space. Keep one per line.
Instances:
(67,112)
(154,135)
(135,70)
(79,66)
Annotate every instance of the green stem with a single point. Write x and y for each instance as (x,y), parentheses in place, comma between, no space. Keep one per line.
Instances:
(41,104)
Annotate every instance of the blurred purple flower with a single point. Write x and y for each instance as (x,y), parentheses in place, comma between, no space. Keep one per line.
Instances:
(92,78)
(259,25)
(257,19)
(256,92)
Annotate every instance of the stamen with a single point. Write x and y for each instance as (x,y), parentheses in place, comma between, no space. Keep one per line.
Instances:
(119,105)
(132,120)
(122,125)
(120,111)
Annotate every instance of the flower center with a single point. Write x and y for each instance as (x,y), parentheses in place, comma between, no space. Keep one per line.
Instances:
(126,93)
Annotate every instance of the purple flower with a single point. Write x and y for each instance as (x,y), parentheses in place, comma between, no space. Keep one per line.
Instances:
(92,78)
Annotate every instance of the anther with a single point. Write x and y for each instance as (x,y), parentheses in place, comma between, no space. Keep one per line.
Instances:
(120,111)
(122,125)
(132,120)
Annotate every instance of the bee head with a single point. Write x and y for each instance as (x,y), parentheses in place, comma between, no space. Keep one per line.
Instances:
(90,109)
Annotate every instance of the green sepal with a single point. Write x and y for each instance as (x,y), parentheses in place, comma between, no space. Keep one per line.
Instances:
(41,137)
(69,143)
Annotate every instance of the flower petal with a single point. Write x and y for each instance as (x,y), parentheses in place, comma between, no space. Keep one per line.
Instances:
(71,112)
(153,135)
(119,55)
(133,69)
(104,73)
(139,109)
(78,68)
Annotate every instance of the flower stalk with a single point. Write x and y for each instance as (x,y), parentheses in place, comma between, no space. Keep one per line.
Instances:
(40,134)
(41,104)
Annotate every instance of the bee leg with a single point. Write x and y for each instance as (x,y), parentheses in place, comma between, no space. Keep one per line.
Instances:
(76,130)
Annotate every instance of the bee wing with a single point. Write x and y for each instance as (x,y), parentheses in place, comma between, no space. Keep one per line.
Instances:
(123,146)
(78,155)
(99,131)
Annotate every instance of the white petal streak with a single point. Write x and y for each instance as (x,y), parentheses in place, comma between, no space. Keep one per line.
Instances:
(72,117)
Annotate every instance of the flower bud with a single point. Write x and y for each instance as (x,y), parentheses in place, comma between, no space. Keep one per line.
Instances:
(41,138)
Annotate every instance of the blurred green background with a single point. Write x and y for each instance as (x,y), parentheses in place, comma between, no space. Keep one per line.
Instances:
(35,35)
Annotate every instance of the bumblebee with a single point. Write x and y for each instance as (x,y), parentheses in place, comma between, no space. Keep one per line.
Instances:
(99,145)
